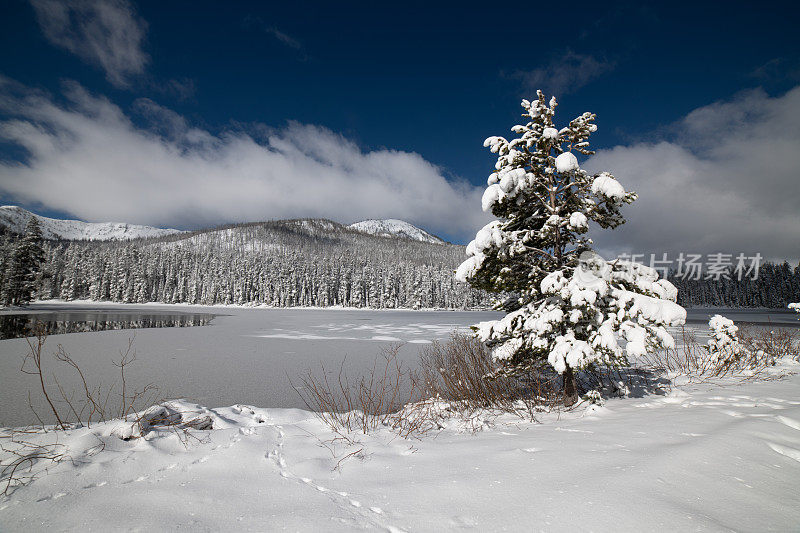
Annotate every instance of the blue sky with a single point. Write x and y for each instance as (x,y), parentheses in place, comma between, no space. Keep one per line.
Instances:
(401,95)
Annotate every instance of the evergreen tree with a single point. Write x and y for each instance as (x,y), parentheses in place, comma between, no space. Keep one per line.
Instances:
(25,266)
(567,305)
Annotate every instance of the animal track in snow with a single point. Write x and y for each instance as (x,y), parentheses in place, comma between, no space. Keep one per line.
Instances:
(55,496)
(366,515)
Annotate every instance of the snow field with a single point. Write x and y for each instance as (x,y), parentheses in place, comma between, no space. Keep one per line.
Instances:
(395,228)
(717,455)
(708,457)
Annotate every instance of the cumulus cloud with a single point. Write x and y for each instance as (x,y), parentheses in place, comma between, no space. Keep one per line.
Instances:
(565,74)
(726,181)
(106,33)
(88,158)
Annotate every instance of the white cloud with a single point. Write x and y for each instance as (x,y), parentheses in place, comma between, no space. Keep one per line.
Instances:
(565,73)
(728,181)
(106,33)
(272,30)
(88,158)
(285,38)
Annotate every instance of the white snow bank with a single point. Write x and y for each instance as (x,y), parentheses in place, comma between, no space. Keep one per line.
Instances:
(705,458)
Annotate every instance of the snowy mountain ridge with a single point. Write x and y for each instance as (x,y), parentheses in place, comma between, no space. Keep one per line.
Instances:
(14,219)
(391,227)
(269,236)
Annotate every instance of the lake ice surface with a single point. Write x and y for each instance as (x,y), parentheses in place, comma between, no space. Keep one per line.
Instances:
(246,355)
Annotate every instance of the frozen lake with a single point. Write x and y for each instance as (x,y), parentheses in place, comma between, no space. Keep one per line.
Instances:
(243,355)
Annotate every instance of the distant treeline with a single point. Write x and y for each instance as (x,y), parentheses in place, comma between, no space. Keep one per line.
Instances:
(282,264)
(312,263)
(776,286)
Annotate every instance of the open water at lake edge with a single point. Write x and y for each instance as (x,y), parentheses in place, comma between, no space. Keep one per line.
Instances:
(13,326)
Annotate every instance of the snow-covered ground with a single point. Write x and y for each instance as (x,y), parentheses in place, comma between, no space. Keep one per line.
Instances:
(15,219)
(395,228)
(710,457)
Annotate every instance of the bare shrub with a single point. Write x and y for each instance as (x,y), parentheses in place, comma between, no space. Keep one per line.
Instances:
(455,379)
(772,343)
(463,373)
(688,357)
(75,409)
(23,451)
(34,357)
(364,404)
(20,455)
(755,350)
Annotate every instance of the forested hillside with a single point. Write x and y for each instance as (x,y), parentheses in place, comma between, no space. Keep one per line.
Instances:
(281,263)
(310,262)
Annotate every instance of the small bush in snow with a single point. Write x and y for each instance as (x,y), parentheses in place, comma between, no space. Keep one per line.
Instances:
(463,373)
(754,348)
(90,403)
(728,355)
(723,346)
(593,397)
(730,351)
(772,344)
(366,403)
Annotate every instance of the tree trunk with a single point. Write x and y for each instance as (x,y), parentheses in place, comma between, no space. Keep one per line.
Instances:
(570,388)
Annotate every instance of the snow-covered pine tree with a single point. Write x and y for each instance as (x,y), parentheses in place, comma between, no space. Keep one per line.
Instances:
(25,266)
(568,306)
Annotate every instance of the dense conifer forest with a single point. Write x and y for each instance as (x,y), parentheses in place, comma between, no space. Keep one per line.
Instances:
(282,264)
(309,262)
